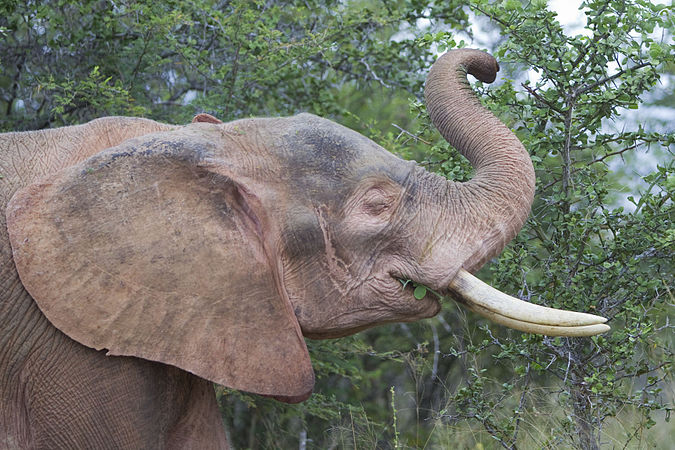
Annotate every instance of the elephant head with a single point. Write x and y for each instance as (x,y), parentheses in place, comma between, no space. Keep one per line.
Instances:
(215,247)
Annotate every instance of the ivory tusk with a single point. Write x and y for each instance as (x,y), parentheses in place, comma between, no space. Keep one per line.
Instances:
(520,315)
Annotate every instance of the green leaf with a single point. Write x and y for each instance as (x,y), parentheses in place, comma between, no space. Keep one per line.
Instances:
(655,50)
(420,292)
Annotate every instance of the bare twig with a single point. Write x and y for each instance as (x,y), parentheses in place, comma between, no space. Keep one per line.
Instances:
(373,74)
(414,136)
(437,351)
(521,404)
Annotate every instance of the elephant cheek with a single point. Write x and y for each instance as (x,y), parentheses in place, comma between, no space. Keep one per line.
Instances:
(304,286)
(302,237)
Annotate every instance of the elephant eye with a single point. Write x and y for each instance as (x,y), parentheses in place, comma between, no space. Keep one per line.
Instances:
(377,201)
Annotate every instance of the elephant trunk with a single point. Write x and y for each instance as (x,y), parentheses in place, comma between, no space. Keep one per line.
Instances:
(496,201)
(502,189)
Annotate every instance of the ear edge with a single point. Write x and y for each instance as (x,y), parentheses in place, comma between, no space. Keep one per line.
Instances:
(293,399)
(302,391)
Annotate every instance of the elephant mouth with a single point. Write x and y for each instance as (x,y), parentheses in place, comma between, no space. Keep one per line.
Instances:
(413,297)
(511,312)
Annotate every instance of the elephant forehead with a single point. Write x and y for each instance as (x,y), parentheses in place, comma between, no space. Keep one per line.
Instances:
(327,159)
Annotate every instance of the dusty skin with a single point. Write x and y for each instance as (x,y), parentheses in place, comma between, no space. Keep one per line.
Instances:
(140,261)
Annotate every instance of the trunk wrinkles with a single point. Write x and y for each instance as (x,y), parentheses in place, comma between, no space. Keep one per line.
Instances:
(501,192)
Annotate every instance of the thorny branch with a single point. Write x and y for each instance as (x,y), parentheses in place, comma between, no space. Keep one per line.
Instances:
(521,405)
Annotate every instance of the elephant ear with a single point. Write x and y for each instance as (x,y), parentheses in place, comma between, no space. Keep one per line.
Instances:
(144,251)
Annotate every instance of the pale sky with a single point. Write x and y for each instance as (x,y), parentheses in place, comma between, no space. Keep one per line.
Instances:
(569,16)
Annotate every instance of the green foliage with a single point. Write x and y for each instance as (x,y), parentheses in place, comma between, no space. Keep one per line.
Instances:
(173,58)
(94,93)
(592,243)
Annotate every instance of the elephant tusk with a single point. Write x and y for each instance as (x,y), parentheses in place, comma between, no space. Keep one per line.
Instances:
(548,330)
(520,315)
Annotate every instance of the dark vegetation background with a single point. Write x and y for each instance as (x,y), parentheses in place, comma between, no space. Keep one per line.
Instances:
(600,237)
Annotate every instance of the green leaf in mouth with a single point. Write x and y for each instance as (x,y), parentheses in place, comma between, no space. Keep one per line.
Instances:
(420,292)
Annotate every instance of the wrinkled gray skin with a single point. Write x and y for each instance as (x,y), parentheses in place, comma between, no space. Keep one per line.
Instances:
(351,219)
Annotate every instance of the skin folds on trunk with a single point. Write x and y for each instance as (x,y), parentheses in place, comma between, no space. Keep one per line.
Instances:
(502,188)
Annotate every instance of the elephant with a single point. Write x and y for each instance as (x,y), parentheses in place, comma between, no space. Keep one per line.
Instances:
(143,261)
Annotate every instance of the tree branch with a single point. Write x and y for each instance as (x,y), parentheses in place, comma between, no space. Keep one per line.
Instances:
(583,90)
